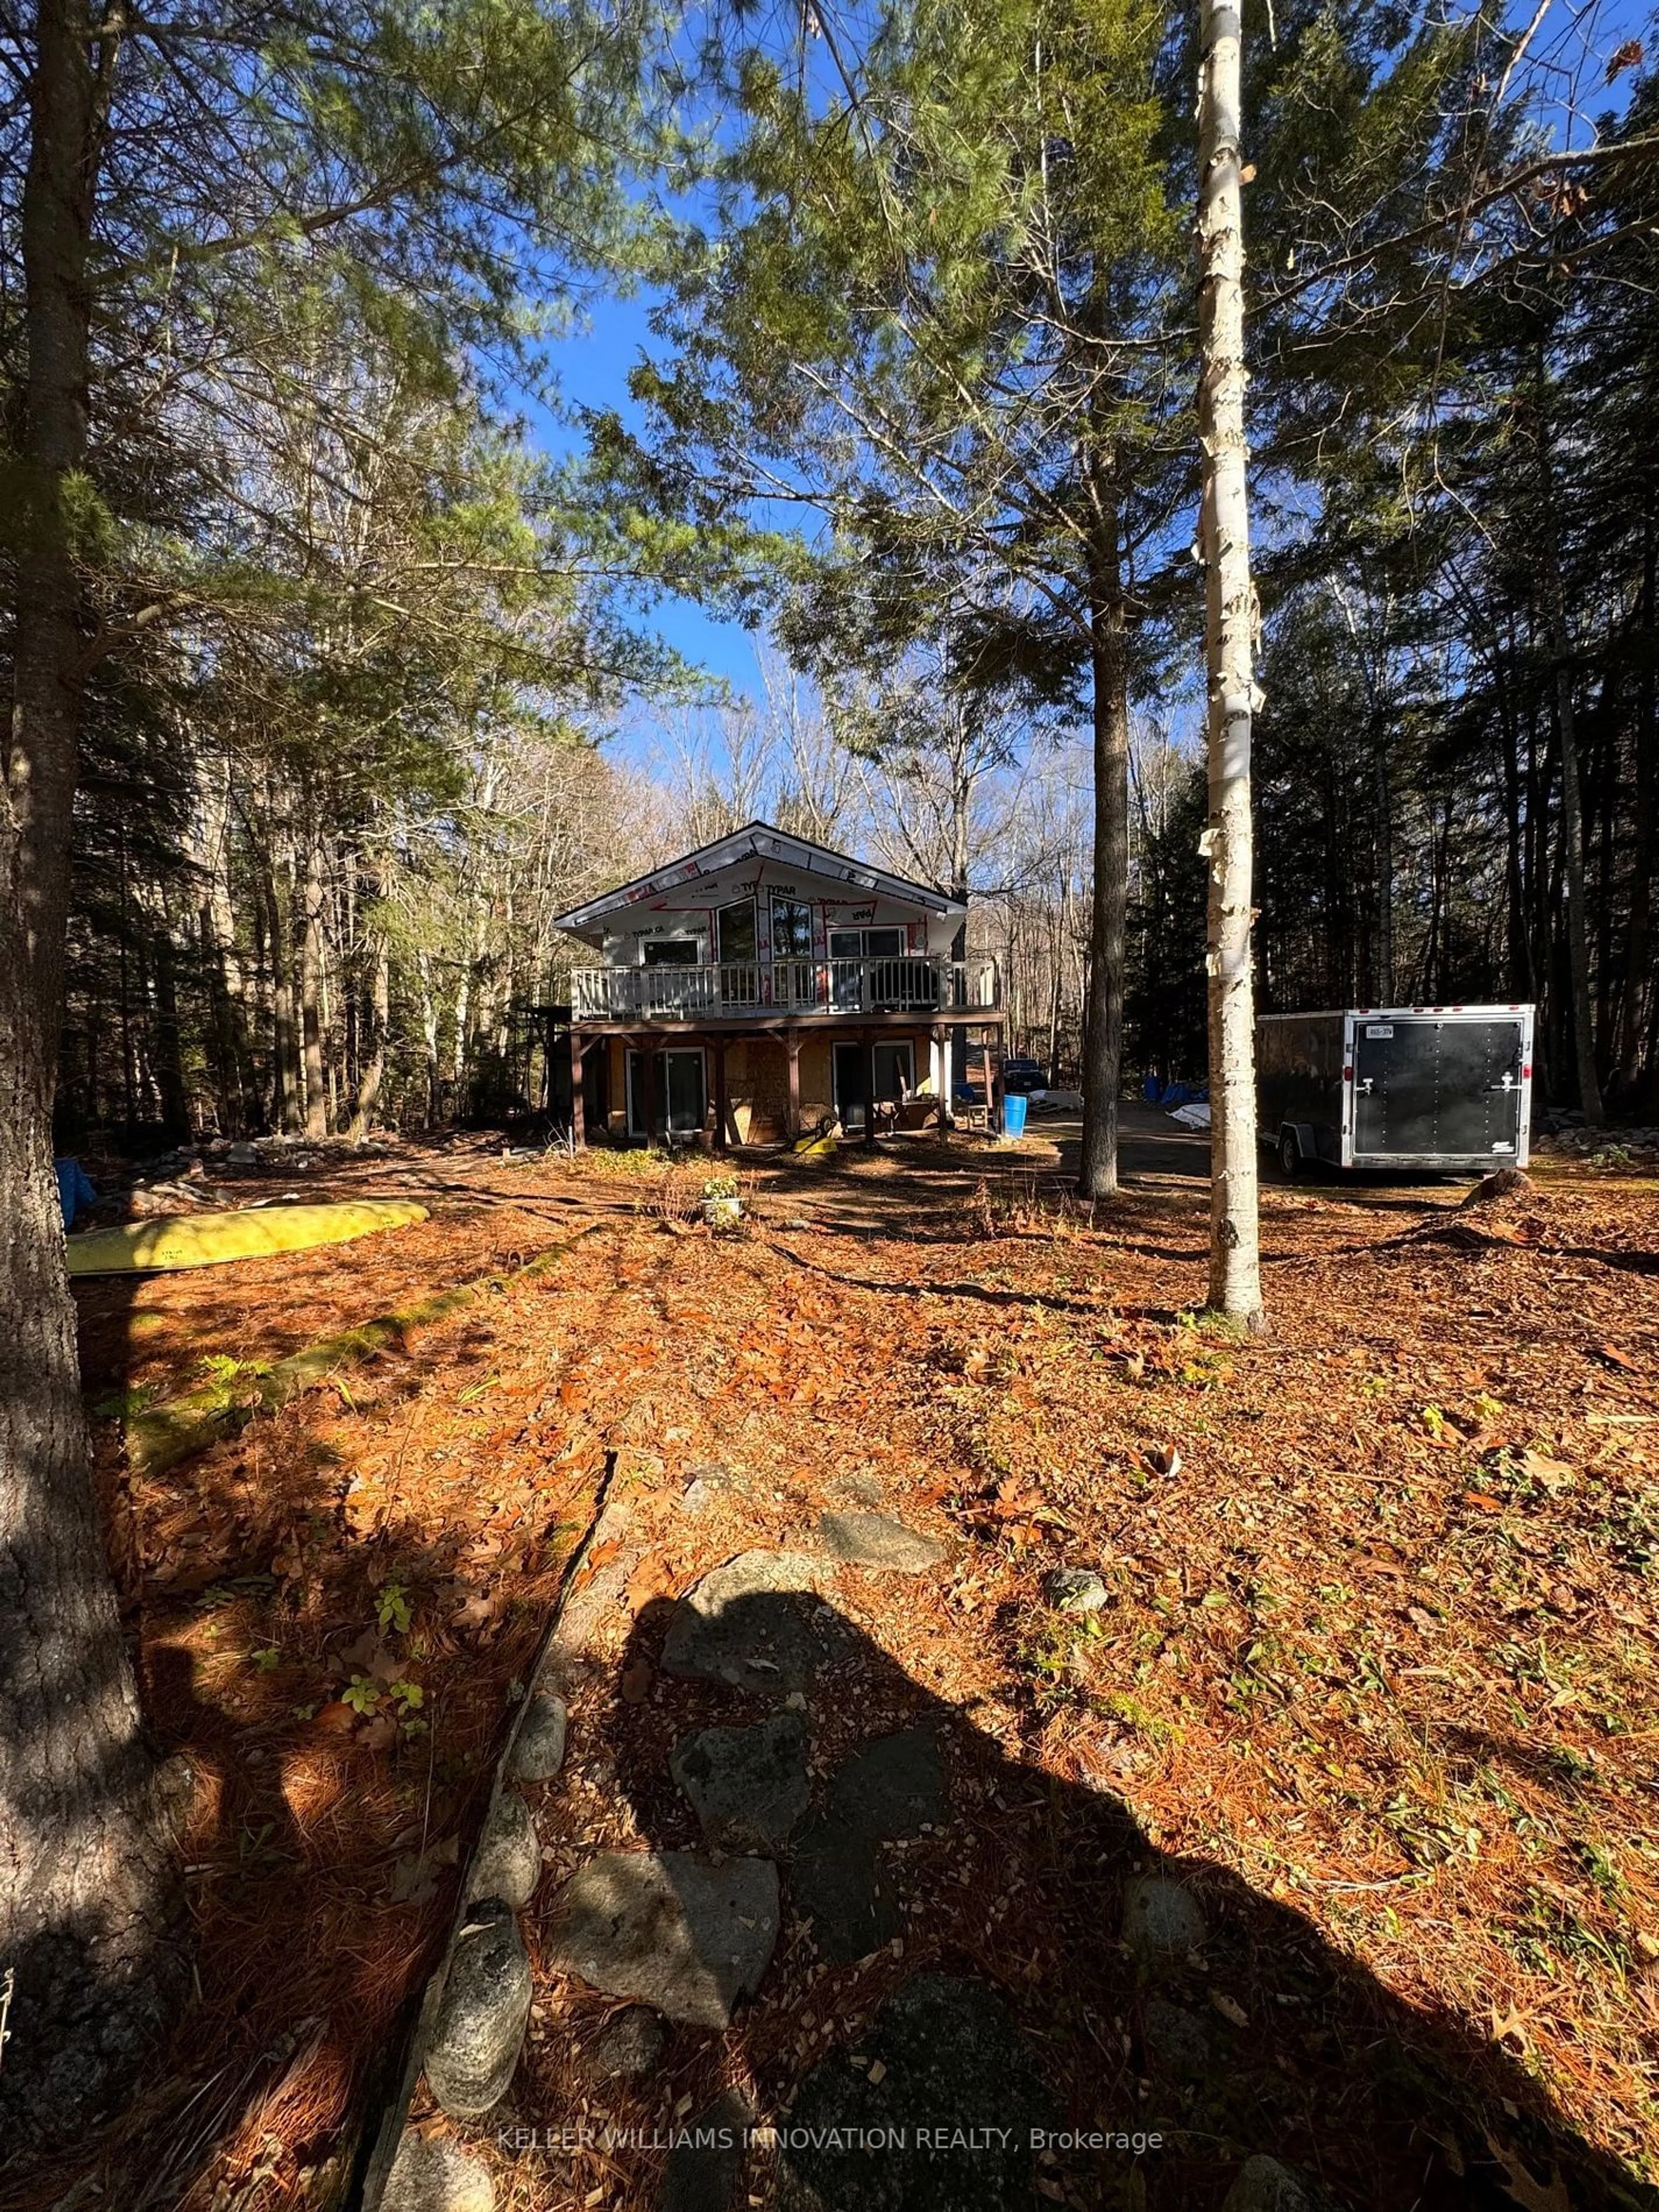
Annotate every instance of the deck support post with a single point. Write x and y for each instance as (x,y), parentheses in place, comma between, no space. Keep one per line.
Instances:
(869,1088)
(648,1090)
(578,1103)
(792,1051)
(720,1104)
(994,1081)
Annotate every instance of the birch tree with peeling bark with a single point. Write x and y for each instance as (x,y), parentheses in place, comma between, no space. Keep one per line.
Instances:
(1229,626)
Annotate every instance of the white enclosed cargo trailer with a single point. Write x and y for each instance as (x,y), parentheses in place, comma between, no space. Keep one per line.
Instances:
(1397,1086)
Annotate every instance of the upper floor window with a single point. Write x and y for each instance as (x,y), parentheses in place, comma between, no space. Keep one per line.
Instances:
(735,925)
(791,928)
(866,944)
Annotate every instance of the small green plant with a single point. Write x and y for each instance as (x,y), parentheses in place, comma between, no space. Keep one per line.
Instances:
(392,1610)
(1132,1714)
(268,1659)
(1059,1656)
(221,1367)
(366,1698)
(1600,1865)
(1611,1156)
(721,1186)
(126,1403)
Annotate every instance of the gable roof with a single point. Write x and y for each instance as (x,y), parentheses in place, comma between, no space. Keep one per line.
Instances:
(758,841)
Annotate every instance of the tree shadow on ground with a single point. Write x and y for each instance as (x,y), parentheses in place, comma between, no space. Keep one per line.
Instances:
(974,1947)
(319,1860)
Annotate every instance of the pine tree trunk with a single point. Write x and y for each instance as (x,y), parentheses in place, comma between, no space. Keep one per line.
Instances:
(216,926)
(1382,786)
(1644,820)
(1235,1262)
(379,1012)
(1103,1026)
(284,1039)
(311,989)
(1057,946)
(168,1048)
(1572,812)
(87,1872)
(1572,839)
(429,1036)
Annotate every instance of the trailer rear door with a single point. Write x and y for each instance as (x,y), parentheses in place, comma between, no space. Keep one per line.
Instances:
(1427,1088)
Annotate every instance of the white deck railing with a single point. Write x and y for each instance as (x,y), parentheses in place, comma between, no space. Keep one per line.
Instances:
(762,988)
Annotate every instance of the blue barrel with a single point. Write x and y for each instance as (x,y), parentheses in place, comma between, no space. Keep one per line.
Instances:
(1013,1115)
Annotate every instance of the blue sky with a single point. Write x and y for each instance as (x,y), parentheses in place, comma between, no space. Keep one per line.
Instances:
(592,362)
(591,365)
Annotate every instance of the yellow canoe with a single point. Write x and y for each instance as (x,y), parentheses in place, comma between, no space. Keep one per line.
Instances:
(208,1240)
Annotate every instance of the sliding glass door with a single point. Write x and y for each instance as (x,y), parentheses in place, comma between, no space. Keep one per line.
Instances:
(680,1095)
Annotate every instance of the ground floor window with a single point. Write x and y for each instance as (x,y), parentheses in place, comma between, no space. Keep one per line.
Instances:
(680,1094)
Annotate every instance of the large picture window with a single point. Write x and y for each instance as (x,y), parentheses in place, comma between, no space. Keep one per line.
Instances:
(737,932)
(791,928)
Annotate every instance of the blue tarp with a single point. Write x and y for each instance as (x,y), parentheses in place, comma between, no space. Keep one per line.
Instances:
(1157,1093)
(75,1190)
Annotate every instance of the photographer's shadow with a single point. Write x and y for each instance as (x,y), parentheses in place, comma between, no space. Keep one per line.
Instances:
(954,1982)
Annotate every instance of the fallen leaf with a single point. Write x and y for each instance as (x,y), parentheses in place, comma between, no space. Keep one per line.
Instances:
(650,1579)
(414,1876)
(1230,2009)
(1532,2196)
(1552,1474)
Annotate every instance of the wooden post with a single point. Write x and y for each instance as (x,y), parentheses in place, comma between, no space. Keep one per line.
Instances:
(720,1104)
(791,1048)
(1001,1117)
(578,1103)
(870,1089)
(648,1088)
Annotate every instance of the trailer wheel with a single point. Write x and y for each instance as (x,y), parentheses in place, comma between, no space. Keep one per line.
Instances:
(1290,1154)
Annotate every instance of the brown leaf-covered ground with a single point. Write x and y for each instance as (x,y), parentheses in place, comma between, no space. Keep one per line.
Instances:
(1377,1669)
